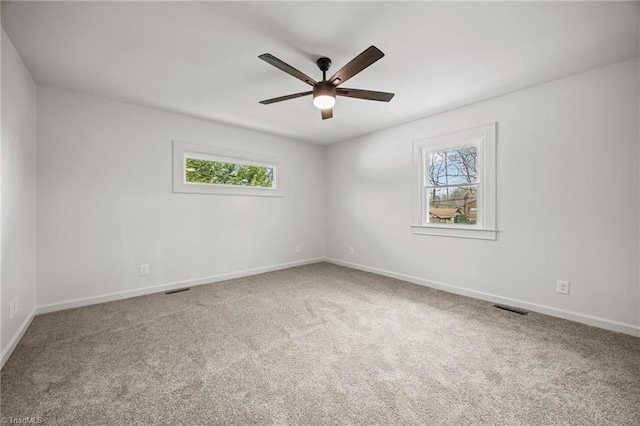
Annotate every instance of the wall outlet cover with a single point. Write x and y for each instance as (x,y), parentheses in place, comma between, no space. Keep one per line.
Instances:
(562,286)
(144,269)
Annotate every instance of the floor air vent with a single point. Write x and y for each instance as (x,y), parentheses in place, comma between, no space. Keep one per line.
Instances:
(512,309)
(180,290)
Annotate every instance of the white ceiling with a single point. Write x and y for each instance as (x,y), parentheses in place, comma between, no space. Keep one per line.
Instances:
(201,59)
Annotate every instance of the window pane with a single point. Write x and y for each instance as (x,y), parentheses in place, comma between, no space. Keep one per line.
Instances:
(455,166)
(455,205)
(222,173)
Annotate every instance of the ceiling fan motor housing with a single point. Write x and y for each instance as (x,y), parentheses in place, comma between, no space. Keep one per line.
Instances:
(324,88)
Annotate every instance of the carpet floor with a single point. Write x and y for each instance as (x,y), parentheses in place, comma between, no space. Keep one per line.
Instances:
(318,344)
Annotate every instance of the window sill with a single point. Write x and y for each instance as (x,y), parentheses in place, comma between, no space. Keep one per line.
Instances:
(455,232)
(206,188)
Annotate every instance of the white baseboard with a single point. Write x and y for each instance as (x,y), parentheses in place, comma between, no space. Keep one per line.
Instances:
(86,301)
(620,327)
(8,350)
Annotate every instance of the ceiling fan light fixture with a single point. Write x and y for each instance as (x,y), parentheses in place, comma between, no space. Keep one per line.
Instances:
(324,101)
(324,95)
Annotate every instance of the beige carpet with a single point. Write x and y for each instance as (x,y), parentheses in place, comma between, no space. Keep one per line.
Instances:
(319,344)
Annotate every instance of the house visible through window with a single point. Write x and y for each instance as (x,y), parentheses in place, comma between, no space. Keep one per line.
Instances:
(454,191)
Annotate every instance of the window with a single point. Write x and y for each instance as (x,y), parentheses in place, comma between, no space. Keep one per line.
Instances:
(451,184)
(455,184)
(210,170)
(202,169)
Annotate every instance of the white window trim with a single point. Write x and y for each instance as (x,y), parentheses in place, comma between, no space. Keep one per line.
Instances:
(181,150)
(485,137)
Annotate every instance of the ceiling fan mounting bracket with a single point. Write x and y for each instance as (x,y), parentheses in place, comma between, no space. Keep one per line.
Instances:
(324,64)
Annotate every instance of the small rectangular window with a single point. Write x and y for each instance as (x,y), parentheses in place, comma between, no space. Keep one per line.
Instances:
(205,169)
(227,171)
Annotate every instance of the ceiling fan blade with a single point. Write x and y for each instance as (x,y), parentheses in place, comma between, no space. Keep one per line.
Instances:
(357,64)
(364,94)
(285,98)
(269,58)
(327,113)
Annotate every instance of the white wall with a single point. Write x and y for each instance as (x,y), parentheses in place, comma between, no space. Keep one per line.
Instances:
(105,202)
(18,152)
(567,201)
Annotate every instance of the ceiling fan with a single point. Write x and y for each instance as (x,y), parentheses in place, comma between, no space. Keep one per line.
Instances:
(324,92)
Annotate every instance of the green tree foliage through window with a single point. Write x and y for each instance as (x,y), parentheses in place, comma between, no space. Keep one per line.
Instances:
(222,173)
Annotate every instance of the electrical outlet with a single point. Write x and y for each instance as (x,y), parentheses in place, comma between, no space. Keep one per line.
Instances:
(562,286)
(12,309)
(298,248)
(144,269)
(350,250)
(15,302)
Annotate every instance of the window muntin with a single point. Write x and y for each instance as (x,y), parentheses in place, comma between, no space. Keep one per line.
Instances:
(210,170)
